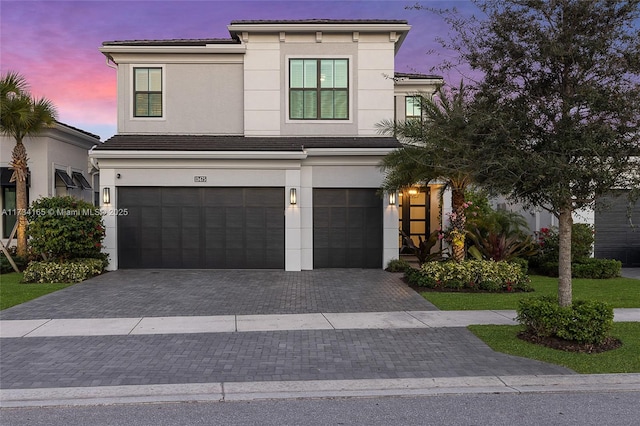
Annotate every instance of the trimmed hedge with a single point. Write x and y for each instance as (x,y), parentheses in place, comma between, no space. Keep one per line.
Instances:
(480,275)
(585,268)
(583,322)
(68,272)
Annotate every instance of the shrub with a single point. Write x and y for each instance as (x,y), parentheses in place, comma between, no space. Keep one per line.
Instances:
(68,272)
(523,263)
(585,268)
(581,243)
(500,235)
(596,268)
(481,275)
(65,228)
(398,265)
(586,322)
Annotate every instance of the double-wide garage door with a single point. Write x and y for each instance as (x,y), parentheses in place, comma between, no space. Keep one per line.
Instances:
(221,228)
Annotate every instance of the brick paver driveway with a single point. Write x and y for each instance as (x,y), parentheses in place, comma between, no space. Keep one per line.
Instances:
(51,362)
(135,293)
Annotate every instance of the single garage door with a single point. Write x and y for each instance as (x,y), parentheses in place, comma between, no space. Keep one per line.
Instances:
(347,228)
(211,228)
(615,237)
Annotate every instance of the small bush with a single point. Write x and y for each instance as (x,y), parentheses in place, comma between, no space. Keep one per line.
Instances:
(582,238)
(69,272)
(397,265)
(523,263)
(480,275)
(65,228)
(583,322)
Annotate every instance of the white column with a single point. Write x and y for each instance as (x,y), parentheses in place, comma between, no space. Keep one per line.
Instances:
(110,242)
(390,231)
(292,258)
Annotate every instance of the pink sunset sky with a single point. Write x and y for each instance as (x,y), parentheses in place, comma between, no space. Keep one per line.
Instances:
(54,44)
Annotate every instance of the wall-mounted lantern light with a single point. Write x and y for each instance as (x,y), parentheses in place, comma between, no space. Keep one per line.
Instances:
(106,196)
(392,198)
(293,198)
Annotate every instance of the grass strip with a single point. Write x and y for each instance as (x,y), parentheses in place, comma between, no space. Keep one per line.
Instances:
(13,292)
(618,292)
(626,359)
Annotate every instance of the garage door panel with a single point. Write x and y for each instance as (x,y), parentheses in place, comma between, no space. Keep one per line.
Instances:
(615,238)
(201,228)
(139,197)
(347,228)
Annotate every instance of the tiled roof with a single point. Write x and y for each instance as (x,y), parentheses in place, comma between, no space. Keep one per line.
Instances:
(239,143)
(79,130)
(172,42)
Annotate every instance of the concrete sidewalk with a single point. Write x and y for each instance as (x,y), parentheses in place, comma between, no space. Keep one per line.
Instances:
(249,323)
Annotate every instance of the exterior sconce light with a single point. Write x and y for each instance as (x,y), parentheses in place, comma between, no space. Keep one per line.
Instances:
(392,198)
(293,198)
(413,191)
(106,196)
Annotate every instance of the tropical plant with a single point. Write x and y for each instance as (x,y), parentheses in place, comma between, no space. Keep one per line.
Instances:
(441,147)
(501,235)
(423,251)
(21,115)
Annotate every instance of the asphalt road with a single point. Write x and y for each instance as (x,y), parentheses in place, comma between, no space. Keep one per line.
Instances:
(589,408)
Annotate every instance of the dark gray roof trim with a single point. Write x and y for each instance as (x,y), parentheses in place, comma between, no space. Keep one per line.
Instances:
(321,21)
(238,143)
(412,76)
(78,130)
(172,42)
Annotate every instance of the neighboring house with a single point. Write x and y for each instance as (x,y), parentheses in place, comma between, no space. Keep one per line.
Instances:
(259,151)
(58,165)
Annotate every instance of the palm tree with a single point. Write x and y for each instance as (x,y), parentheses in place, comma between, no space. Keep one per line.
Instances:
(21,115)
(440,147)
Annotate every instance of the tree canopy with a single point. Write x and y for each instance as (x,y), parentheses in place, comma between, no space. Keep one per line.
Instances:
(560,96)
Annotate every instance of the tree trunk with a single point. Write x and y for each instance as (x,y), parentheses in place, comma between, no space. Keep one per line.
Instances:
(19,166)
(458,234)
(565,222)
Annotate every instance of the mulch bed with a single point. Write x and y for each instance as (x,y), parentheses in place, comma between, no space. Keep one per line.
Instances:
(609,344)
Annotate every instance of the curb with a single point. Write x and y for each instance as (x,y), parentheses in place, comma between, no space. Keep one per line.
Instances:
(254,391)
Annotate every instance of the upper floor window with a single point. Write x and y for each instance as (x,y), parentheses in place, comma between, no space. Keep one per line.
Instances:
(413,107)
(319,89)
(147,89)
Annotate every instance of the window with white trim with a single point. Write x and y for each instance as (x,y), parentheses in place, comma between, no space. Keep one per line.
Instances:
(413,107)
(319,89)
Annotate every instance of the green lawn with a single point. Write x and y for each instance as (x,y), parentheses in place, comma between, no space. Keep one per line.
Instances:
(12,292)
(618,292)
(626,359)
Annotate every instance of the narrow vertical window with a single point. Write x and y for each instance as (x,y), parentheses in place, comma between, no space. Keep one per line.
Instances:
(413,107)
(147,92)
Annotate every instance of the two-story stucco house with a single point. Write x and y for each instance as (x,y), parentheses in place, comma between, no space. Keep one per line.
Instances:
(259,151)
(58,165)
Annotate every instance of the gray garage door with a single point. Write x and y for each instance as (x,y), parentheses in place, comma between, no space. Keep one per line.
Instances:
(211,228)
(347,228)
(615,237)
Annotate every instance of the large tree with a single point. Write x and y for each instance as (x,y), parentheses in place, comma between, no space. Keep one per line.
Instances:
(561,90)
(21,115)
(439,147)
